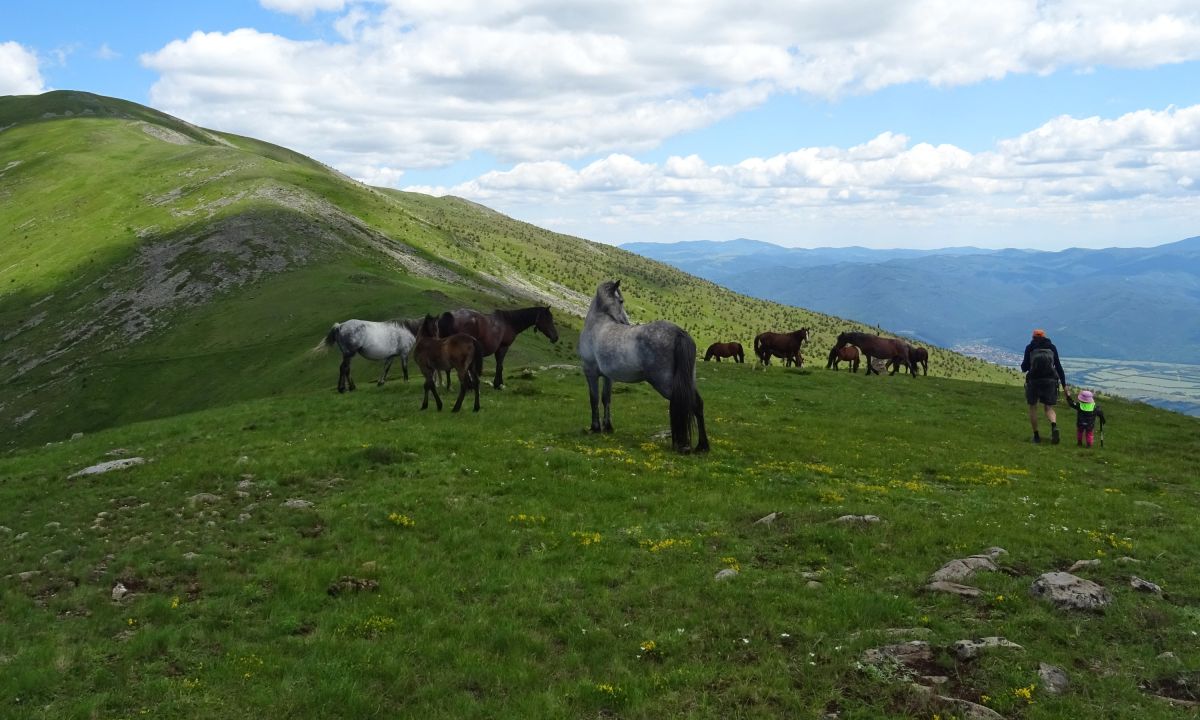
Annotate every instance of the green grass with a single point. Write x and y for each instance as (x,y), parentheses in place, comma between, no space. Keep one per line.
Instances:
(481,612)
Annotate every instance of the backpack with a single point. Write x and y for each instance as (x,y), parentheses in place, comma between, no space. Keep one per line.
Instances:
(1041,363)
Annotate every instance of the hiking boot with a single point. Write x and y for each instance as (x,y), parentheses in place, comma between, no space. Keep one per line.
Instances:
(1037,438)
(1054,436)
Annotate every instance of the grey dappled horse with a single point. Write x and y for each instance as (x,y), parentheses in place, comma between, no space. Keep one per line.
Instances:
(660,353)
(373,340)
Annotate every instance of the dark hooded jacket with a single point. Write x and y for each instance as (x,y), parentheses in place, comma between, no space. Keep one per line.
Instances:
(1041,342)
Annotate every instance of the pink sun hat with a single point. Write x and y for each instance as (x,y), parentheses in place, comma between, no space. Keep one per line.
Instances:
(1085,396)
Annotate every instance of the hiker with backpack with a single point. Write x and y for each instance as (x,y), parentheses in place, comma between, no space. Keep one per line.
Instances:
(1043,376)
(1086,412)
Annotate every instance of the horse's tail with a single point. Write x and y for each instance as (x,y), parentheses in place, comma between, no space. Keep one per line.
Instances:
(683,390)
(329,339)
(477,361)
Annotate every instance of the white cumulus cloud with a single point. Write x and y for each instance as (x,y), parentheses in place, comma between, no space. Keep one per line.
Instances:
(19,73)
(419,83)
(1085,171)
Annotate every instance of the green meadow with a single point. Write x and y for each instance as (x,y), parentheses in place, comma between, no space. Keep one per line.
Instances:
(510,564)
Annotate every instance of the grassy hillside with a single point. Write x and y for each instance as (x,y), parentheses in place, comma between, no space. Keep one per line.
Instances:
(150,267)
(508,564)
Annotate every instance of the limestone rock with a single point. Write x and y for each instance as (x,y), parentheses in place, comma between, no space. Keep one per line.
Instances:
(766,519)
(1054,679)
(119,591)
(963,568)
(1141,585)
(296,504)
(1081,564)
(725,574)
(107,467)
(967,710)
(203,499)
(28,575)
(954,589)
(909,653)
(858,519)
(1070,592)
(971,649)
(812,584)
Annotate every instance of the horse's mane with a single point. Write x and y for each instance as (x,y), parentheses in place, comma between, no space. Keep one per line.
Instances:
(605,301)
(413,325)
(527,315)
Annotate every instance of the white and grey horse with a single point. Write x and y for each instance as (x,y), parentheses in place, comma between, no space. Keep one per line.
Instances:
(660,353)
(373,340)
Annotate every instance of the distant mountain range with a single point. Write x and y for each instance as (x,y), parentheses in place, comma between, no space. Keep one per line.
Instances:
(1122,303)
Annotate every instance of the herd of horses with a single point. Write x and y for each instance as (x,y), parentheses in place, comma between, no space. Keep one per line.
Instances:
(850,347)
(611,348)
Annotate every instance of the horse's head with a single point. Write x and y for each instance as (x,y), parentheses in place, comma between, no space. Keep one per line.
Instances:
(843,339)
(610,302)
(545,324)
(445,325)
(802,333)
(429,327)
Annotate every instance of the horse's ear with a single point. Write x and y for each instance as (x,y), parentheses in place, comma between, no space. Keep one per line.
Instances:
(616,284)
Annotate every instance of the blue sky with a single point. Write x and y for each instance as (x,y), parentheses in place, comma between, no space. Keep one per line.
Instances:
(919,124)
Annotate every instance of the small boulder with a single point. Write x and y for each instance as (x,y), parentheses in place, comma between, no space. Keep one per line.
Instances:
(1070,592)
(107,467)
(954,588)
(119,591)
(203,499)
(296,504)
(725,574)
(963,568)
(812,584)
(1081,564)
(1054,679)
(858,519)
(910,653)
(766,519)
(347,583)
(971,649)
(1145,586)
(28,575)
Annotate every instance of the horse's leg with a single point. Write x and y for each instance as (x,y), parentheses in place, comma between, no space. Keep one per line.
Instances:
(608,404)
(404,365)
(593,381)
(476,385)
(500,353)
(387,365)
(344,373)
(447,380)
(698,410)
(464,381)
(436,398)
(428,385)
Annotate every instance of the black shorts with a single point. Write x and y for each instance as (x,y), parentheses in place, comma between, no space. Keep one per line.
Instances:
(1041,391)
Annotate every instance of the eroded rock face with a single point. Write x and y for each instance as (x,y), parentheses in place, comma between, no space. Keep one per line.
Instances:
(1145,586)
(1070,592)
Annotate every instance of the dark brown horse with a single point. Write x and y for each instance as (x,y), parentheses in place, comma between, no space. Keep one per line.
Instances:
(848,353)
(876,347)
(780,345)
(459,352)
(919,356)
(724,350)
(496,332)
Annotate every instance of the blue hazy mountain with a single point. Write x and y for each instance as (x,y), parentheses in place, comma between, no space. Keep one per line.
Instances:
(1124,303)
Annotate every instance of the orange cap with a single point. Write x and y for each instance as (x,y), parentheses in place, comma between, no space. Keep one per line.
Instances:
(1039,333)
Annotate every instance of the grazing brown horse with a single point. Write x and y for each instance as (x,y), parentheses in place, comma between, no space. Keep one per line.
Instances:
(876,347)
(724,350)
(848,353)
(459,352)
(781,345)
(496,332)
(919,356)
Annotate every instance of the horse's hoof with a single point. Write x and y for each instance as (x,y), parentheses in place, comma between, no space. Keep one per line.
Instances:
(608,428)
(594,429)
(683,449)
(702,448)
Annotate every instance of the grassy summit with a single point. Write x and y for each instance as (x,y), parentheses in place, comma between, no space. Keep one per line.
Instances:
(151,267)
